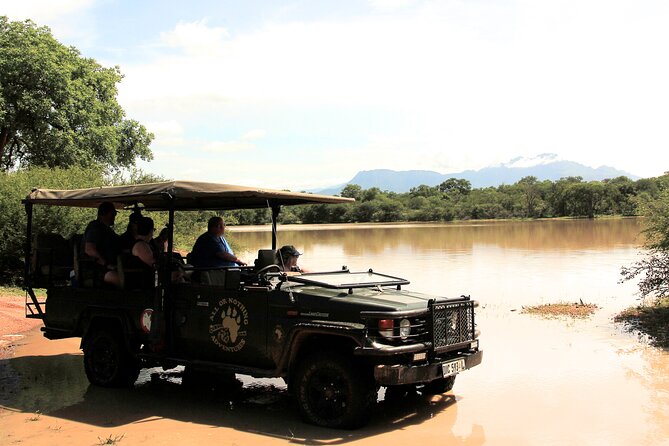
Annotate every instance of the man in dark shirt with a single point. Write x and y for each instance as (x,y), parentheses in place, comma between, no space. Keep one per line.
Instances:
(100,244)
(211,249)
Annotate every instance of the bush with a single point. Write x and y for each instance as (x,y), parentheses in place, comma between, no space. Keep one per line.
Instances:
(14,187)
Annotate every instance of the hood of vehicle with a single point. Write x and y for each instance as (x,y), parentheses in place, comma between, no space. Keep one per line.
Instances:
(367,299)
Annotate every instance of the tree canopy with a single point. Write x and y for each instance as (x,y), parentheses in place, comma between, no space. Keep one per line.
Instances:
(59,109)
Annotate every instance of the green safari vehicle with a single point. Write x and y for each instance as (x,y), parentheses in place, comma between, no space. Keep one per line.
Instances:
(335,337)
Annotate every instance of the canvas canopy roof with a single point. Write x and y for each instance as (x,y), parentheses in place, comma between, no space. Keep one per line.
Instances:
(179,195)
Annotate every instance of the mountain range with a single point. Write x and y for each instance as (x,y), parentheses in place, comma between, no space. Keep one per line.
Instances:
(546,166)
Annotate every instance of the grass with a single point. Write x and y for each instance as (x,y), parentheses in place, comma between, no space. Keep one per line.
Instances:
(652,320)
(110,440)
(35,417)
(578,310)
(18,291)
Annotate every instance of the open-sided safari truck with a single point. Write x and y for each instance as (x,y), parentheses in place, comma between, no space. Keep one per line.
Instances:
(334,337)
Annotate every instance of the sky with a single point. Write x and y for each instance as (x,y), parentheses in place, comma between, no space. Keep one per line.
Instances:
(304,94)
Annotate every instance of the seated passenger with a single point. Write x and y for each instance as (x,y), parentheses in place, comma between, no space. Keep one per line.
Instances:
(211,249)
(141,248)
(159,244)
(147,255)
(127,239)
(286,258)
(99,244)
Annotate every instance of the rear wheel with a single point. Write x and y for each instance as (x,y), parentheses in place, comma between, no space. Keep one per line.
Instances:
(333,391)
(439,386)
(107,361)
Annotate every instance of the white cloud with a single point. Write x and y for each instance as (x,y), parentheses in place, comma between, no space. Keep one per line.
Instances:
(391,5)
(195,38)
(42,10)
(69,20)
(473,84)
(226,146)
(254,135)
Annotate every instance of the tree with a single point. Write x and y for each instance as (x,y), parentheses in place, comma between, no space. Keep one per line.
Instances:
(653,269)
(352,191)
(59,109)
(455,185)
(531,196)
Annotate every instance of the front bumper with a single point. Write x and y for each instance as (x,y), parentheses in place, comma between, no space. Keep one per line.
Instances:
(397,374)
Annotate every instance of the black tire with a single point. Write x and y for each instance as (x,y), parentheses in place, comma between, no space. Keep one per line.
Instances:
(439,386)
(107,361)
(333,391)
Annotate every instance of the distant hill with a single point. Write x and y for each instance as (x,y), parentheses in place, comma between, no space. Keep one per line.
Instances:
(545,167)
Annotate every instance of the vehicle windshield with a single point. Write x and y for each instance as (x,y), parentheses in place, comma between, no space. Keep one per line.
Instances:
(347,279)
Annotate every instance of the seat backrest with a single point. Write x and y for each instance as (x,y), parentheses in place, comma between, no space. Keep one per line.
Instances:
(52,259)
(132,274)
(215,277)
(83,276)
(265,257)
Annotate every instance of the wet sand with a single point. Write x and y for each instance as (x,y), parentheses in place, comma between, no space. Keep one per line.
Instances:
(542,382)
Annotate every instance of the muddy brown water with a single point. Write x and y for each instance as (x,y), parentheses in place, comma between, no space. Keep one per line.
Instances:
(542,382)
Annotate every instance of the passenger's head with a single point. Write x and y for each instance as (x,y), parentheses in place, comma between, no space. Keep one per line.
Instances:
(133,220)
(144,226)
(107,212)
(288,256)
(216,226)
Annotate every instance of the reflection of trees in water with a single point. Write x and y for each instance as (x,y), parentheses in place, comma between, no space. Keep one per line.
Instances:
(459,237)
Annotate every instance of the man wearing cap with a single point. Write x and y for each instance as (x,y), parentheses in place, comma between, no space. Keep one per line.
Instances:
(100,242)
(211,249)
(286,258)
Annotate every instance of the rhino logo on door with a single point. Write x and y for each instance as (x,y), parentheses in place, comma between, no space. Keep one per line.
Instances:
(229,321)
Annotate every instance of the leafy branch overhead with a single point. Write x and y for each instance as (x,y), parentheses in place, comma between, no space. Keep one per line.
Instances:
(59,109)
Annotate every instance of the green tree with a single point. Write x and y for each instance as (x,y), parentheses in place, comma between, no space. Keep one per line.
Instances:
(455,186)
(352,191)
(59,109)
(653,269)
(531,196)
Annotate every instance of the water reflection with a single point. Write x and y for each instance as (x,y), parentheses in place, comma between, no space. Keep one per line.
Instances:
(499,263)
(542,235)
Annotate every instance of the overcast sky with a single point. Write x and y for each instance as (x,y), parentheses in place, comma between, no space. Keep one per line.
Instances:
(304,94)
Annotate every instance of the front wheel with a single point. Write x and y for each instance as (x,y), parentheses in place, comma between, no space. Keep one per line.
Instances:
(333,391)
(107,361)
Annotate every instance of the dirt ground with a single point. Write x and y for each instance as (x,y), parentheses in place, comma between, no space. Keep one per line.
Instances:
(13,323)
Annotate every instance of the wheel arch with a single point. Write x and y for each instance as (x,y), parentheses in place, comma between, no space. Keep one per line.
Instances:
(310,340)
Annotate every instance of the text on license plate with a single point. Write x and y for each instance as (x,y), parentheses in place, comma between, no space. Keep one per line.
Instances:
(453,367)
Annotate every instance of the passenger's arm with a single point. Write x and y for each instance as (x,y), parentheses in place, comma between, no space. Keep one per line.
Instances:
(92,251)
(143,251)
(229,257)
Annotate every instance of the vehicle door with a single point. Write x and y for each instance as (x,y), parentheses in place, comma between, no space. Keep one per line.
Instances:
(213,323)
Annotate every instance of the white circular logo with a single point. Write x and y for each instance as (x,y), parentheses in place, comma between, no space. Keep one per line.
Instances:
(145,320)
(229,322)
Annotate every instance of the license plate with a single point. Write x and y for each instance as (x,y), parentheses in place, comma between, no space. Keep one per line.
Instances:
(453,367)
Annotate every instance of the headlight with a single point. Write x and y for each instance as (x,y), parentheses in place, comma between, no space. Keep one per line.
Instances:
(405,328)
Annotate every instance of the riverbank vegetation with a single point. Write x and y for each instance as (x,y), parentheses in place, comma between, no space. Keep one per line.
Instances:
(577,310)
(652,272)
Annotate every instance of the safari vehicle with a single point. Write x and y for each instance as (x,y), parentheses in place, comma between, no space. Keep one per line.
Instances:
(334,337)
